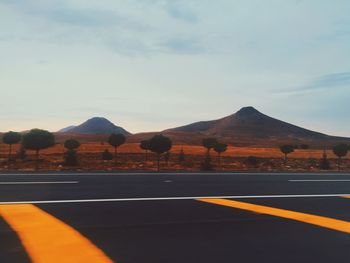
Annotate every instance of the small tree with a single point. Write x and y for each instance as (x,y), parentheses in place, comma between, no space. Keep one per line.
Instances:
(252,161)
(144,145)
(324,163)
(71,144)
(159,144)
(340,150)
(71,157)
(206,165)
(10,138)
(167,158)
(286,149)
(37,140)
(21,153)
(220,148)
(181,156)
(209,143)
(116,140)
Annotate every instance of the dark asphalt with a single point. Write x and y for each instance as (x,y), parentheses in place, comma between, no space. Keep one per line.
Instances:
(175,231)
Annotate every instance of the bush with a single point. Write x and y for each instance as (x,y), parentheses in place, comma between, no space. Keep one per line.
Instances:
(107,156)
(252,161)
(324,163)
(206,164)
(181,156)
(71,158)
(313,162)
(71,144)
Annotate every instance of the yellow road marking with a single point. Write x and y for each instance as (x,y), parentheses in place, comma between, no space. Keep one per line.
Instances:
(47,239)
(346,196)
(322,221)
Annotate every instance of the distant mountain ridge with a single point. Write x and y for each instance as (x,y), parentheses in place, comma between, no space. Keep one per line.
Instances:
(246,127)
(96,125)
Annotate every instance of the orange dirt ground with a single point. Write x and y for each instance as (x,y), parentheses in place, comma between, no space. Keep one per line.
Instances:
(188,149)
(133,158)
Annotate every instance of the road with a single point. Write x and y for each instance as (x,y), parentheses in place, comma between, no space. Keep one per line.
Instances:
(173,218)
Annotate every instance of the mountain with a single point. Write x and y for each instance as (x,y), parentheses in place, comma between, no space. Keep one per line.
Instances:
(248,126)
(67,129)
(97,126)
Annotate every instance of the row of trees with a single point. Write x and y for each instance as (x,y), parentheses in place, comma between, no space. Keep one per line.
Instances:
(218,147)
(34,140)
(340,150)
(158,144)
(37,140)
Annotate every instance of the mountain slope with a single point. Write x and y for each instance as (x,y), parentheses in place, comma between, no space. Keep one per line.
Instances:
(67,129)
(249,122)
(96,125)
(248,126)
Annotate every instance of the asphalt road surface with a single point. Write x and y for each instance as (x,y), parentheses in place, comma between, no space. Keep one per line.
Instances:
(173,218)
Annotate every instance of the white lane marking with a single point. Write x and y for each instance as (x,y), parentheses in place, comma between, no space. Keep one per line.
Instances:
(57,182)
(315,180)
(168,198)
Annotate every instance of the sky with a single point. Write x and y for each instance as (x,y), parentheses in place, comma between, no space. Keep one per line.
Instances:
(149,65)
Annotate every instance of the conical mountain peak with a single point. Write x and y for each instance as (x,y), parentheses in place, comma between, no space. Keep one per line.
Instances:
(247,125)
(98,120)
(247,111)
(97,125)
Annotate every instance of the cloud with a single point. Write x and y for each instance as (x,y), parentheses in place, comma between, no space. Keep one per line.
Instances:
(84,17)
(326,82)
(183,46)
(125,30)
(76,16)
(331,81)
(176,9)
(181,13)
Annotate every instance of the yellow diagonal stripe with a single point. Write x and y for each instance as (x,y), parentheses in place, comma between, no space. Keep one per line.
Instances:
(47,239)
(321,221)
